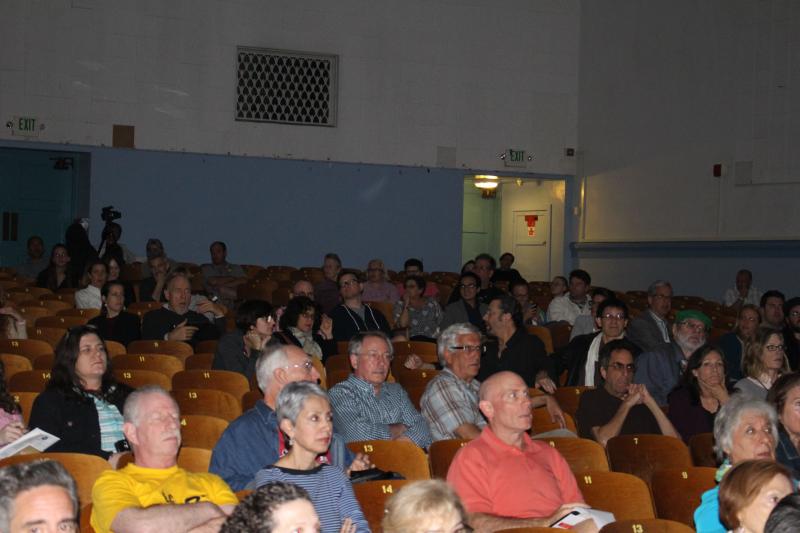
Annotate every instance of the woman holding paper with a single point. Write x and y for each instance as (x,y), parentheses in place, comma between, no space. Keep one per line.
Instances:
(11,425)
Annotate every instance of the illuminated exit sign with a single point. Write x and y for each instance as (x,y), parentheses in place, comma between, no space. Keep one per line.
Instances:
(25,126)
(515,158)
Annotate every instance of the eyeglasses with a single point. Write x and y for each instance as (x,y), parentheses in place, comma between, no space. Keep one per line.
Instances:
(307,365)
(374,356)
(775,347)
(309,316)
(622,367)
(700,328)
(618,316)
(794,314)
(467,286)
(468,348)
(349,282)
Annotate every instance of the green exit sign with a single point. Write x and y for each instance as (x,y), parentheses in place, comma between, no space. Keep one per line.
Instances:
(25,126)
(515,158)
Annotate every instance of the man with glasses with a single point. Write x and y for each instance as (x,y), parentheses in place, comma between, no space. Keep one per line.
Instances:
(582,356)
(504,478)
(650,329)
(620,406)
(791,333)
(660,369)
(353,315)
(484,268)
(253,440)
(365,406)
(464,305)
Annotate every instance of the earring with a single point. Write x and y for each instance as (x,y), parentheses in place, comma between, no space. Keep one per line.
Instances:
(291,441)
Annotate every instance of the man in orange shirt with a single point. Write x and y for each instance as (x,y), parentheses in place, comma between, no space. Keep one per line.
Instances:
(506,479)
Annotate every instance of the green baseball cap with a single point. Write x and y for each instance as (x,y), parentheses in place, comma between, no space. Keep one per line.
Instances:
(693,313)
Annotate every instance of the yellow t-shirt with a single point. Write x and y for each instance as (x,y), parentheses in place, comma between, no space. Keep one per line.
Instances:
(136,486)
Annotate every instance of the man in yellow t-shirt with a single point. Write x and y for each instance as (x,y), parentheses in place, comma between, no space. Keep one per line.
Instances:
(154,494)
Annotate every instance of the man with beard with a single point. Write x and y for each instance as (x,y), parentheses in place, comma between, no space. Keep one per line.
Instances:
(659,370)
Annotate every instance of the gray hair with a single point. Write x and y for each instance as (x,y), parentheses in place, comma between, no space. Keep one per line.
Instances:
(357,340)
(20,477)
(270,360)
(651,290)
(130,411)
(730,415)
(448,337)
(292,398)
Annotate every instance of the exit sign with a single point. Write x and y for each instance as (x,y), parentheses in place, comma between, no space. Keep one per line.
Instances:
(515,158)
(25,126)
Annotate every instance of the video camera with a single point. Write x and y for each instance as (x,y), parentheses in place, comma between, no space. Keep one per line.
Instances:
(109,214)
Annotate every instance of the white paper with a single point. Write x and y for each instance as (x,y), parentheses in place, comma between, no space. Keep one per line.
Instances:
(36,440)
(601,518)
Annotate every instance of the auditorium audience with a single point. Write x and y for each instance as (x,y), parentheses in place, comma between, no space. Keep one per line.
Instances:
(221,278)
(576,302)
(378,288)
(464,305)
(114,323)
(414,267)
(785,397)
(586,324)
(114,268)
(763,363)
(274,508)
(702,392)
(559,286)
(749,493)
(353,315)
(651,329)
(619,406)
(366,406)
(791,332)
(419,315)
(12,323)
(743,292)
(95,277)
(734,342)
(36,260)
(11,425)
(660,369)
(153,493)
(745,428)
(297,327)
(771,307)
(82,402)
(484,269)
(425,506)
(531,314)
(238,350)
(326,292)
(60,273)
(469,266)
(304,416)
(38,496)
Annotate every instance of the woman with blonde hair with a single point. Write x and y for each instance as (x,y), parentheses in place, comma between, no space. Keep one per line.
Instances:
(763,363)
(425,506)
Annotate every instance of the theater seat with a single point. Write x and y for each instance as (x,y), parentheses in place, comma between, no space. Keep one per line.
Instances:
(701,447)
(625,495)
(84,468)
(581,454)
(403,457)
(27,347)
(646,526)
(136,378)
(14,363)
(169,365)
(372,496)
(441,454)
(200,431)
(29,381)
(231,382)
(641,455)
(209,402)
(569,398)
(114,348)
(178,348)
(677,491)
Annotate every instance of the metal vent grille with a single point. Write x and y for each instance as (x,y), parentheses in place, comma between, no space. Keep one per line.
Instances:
(286,87)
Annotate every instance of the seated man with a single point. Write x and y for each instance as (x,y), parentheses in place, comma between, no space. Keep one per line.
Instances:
(327,290)
(154,493)
(586,324)
(450,401)
(531,314)
(743,292)
(36,261)
(152,289)
(514,349)
(222,278)
(504,478)
(175,322)
(253,440)
(37,496)
(619,406)
(365,406)
(771,305)
(576,302)
(413,267)
(353,315)
(582,355)
(484,269)
(651,329)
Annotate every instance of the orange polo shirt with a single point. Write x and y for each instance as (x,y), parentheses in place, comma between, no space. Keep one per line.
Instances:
(494,478)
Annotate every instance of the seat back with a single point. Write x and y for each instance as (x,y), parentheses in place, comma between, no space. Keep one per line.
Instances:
(15,363)
(50,336)
(625,495)
(209,346)
(372,496)
(224,380)
(701,447)
(677,491)
(199,361)
(641,455)
(653,525)
(386,309)
(208,402)
(61,321)
(403,457)
(414,382)
(425,350)
(178,348)
(88,314)
(32,313)
(250,399)
(336,376)
(25,401)
(168,365)
(441,454)
(135,378)
(84,468)
(201,431)
(194,459)
(544,335)
(114,348)
(569,397)
(29,381)
(580,454)
(44,362)
(560,332)
(142,308)
(28,347)
(338,362)
(542,422)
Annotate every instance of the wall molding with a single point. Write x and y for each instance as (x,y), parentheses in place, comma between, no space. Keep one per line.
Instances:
(696,249)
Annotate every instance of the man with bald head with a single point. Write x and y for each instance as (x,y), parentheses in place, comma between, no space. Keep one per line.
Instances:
(504,478)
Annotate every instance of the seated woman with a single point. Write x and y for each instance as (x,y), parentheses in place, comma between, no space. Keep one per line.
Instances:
(274,508)
(238,350)
(749,492)
(95,277)
(785,397)
(423,506)
(304,416)
(11,425)
(420,314)
(114,268)
(764,362)
(702,393)
(59,274)
(297,327)
(12,323)
(114,323)
(377,288)
(464,305)
(82,403)
(734,342)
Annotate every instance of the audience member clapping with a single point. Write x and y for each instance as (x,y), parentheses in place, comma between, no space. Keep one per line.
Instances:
(425,506)
(763,363)
(274,508)
(417,313)
(785,396)
(749,493)
(114,323)
(94,278)
(297,327)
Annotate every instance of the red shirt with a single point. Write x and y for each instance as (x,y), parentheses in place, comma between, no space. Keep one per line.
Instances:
(494,478)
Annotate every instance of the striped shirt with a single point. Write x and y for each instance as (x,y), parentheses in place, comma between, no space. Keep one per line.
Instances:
(110,424)
(330,491)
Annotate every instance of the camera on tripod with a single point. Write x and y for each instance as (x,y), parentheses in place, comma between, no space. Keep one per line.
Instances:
(109,214)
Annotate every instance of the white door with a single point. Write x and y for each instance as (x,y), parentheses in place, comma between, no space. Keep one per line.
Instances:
(531,243)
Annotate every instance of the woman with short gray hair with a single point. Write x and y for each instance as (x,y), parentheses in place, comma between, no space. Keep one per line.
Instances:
(745,428)
(306,422)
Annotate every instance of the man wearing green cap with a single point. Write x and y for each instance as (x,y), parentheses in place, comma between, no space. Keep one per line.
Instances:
(660,369)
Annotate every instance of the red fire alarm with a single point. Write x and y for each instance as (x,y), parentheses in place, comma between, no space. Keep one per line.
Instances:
(718,170)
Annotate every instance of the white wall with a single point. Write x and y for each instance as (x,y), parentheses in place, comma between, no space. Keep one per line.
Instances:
(415,75)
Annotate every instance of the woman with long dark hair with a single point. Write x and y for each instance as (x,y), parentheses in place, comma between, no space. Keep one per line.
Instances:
(114,323)
(60,273)
(298,327)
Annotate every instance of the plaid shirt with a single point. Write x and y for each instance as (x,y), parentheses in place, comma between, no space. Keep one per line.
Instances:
(449,402)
